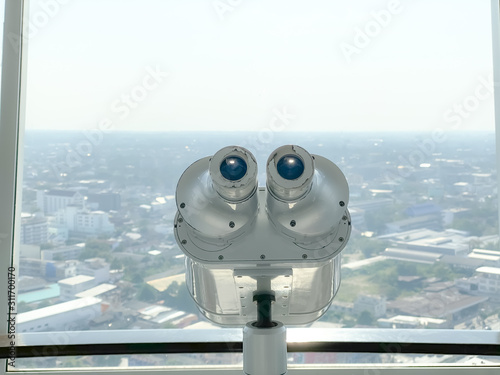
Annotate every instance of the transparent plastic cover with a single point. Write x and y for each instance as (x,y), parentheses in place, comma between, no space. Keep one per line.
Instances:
(225,295)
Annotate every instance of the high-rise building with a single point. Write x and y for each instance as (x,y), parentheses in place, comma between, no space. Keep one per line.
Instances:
(63,253)
(82,221)
(34,230)
(49,202)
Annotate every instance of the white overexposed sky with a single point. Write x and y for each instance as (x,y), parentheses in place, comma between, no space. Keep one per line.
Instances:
(231,64)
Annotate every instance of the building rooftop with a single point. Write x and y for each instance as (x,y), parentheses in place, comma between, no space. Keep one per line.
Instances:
(489,270)
(462,261)
(410,235)
(96,291)
(493,258)
(486,252)
(57,309)
(457,210)
(408,319)
(163,283)
(51,291)
(154,252)
(61,193)
(79,279)
(411,255)
(435,304)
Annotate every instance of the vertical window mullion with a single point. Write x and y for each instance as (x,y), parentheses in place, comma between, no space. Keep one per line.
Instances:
(10,111)
(495,37)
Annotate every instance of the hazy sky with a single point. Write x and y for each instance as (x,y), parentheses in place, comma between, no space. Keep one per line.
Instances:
(233,64)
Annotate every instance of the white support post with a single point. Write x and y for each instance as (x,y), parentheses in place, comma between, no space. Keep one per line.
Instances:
(264,350)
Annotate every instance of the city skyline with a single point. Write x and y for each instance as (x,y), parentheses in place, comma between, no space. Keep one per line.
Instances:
(97,237)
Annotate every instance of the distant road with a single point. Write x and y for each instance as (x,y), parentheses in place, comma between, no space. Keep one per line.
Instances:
(363,263)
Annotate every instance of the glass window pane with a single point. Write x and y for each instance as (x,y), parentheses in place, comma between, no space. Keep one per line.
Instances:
(122,96)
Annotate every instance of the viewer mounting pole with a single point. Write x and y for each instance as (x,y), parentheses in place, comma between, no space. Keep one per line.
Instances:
(264,341)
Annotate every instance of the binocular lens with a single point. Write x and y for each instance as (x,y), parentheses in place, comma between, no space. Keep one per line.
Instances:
(233,171)
(290,167)
(233,168)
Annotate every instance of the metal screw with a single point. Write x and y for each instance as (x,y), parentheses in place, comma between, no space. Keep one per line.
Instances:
(183,205)
(231,224)
(221,257)
(304,256)
(341,239)
(180,220)
(262,256)
(184,242)
(344,217)
(293,223)
(342,204)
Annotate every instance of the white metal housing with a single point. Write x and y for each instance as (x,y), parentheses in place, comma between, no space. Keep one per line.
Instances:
(262,243)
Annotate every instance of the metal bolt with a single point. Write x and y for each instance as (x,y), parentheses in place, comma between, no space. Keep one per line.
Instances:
(341,239)
(293,223)
(184,242)
(221,257)
(262,256)
(183,205)
(180,220)
(231,224)
(344,217)
(304,256)
(342,204)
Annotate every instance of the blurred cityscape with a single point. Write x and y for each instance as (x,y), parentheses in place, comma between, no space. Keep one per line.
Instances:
(97,249)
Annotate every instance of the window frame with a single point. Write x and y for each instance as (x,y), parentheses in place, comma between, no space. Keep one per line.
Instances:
(11,117)
(11,137)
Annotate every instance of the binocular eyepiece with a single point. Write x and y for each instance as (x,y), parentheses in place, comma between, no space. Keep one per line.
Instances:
(233,171)
(305,196)
(290,171)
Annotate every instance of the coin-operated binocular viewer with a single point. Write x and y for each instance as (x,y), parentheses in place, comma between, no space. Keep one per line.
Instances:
(262,257)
